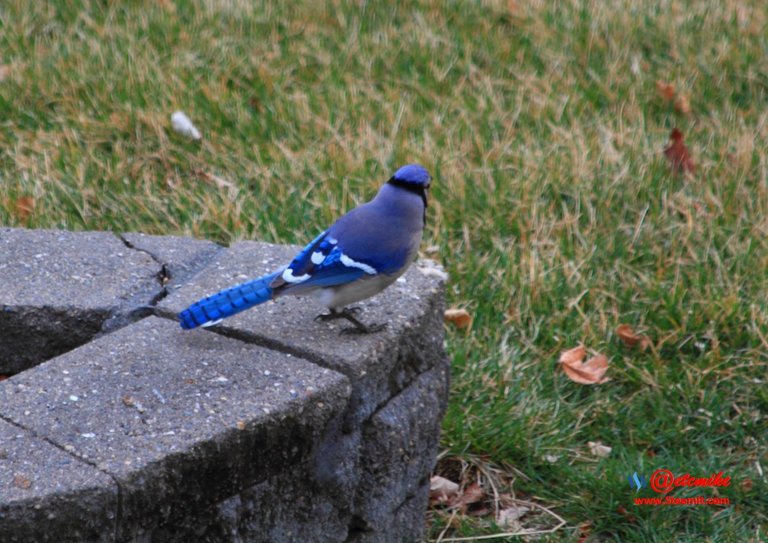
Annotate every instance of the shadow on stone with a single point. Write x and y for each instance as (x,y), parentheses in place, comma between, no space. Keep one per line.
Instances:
(33,335)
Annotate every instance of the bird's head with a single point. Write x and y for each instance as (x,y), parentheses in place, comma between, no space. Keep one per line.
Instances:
(413,178)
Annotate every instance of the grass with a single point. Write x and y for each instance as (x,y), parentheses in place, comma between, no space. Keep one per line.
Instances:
(552,209)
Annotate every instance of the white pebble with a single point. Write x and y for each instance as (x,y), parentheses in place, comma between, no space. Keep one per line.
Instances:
(183,125)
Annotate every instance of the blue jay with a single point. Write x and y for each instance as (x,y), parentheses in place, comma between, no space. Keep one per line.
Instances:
(363,253)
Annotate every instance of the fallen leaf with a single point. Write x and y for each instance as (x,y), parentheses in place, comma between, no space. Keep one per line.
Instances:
(631,339)
(472,494)
(510,515)
(24,207)
(584,530)
(599,449)
(241,425)
(21,481)
(747,484)
(5,71)
(666,90)
(621,510)
(682,105)
(677,153)
(458,317)
(573,356)
(183,125)
(442,490)
(591,372)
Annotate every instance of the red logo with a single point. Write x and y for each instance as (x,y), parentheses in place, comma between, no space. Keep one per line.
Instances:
(663,480)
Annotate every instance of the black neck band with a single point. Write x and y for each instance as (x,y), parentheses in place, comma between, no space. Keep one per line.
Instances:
(410,187)
(421,190)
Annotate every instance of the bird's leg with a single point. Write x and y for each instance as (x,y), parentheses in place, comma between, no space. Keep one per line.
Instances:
(349,314)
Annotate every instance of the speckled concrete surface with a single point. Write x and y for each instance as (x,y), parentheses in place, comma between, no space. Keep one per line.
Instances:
(181,257)
(38,480)
(165,411)
(64,288)
(60,287)
(378,365)
(267,425)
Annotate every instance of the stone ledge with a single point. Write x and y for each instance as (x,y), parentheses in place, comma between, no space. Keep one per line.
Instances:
(62,289)
(42,486)
(378,365)
(270,427)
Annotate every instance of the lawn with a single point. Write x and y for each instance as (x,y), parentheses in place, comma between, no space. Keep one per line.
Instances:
(554,208)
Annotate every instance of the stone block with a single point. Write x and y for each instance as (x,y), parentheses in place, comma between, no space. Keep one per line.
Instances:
(181,420)
(378,365)
(60,287)
(47,494)
(400,443)
(179,257)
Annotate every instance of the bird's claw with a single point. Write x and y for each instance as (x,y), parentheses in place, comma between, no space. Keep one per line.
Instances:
(349,314)
(365,329)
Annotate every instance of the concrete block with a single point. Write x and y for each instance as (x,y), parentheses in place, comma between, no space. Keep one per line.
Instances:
(181,420)
(378,365)
(400,443)
(46,494)
(179,257)
(60,287)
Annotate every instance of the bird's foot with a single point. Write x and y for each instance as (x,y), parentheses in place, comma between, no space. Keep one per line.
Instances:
(360,328)
(349,314)
(334,314)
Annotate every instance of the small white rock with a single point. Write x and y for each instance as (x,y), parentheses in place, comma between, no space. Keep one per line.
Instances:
(183,125)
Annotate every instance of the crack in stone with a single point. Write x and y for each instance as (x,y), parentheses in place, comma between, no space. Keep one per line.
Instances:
(80,459)
(163,277)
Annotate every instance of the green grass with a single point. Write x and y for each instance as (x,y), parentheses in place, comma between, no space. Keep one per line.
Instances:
(552,207)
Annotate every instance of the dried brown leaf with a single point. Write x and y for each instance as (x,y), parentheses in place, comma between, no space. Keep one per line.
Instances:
(573,356)
(458,317)
(678,154)
(682,105)
(591,372)
(584,531)
(24,207)
(472,494)
(620,509)
(666,90)
(509,516)
(632,339)
(5,71)
(442,490)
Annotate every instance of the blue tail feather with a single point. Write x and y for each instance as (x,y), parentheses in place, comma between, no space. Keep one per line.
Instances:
(227,302)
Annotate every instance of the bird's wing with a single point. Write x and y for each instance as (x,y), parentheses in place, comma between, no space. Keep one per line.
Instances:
(320,264)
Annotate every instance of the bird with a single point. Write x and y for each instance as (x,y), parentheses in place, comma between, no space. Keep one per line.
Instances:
(360,255)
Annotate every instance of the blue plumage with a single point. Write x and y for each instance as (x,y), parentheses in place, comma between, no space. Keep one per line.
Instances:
(361,254)
(226,303)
